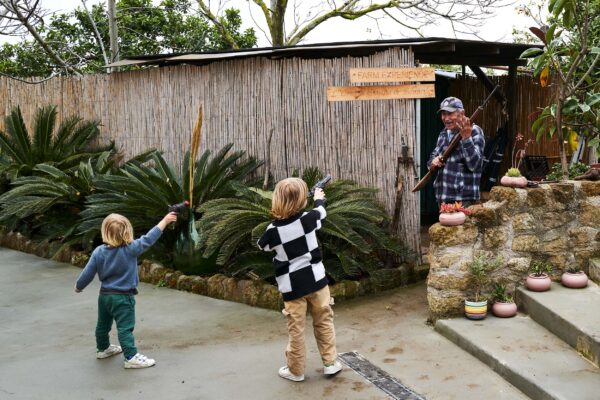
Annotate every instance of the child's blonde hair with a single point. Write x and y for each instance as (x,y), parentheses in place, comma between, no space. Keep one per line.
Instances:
(289,198)
(116,230)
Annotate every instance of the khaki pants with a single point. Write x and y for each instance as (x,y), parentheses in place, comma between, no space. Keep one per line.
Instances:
(317,304)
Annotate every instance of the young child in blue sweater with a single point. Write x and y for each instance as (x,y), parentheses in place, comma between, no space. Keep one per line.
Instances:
(115,262)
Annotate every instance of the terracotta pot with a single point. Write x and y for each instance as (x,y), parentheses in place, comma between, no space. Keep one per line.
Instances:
(475,309)
(518,181)
(450,219)
(538,283)
(504,310)
(575,280)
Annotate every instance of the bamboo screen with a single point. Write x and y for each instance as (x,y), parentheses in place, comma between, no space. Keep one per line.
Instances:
(243,101)
(530,98)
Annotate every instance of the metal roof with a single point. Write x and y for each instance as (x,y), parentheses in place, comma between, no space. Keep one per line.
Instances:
(426,50)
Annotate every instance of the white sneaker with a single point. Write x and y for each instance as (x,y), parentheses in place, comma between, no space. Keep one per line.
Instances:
(110,351)
(285,373)
(139,361)
(331,370)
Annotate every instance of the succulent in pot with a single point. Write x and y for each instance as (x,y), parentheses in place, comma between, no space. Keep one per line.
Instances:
(504,305)
(513,178)
(538,279)
(453,213)
(574,278)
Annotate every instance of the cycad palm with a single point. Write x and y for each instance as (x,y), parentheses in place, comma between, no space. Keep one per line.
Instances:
(143,193)
(351,238)
(64,148)
(47,204)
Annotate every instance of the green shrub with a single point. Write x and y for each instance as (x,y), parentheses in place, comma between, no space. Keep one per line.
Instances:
(513,172)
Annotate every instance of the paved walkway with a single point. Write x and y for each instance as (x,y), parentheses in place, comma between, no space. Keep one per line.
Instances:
(213,349)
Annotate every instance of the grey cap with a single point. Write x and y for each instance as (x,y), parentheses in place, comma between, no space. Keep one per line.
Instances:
(451,104)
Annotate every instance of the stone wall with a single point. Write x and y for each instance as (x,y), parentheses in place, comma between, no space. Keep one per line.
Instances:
(558,223)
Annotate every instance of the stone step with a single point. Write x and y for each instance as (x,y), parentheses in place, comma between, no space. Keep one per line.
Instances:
(571,314)
(595,270)
(527,355)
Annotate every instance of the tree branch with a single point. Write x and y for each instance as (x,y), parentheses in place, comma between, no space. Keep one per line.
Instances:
(205,9)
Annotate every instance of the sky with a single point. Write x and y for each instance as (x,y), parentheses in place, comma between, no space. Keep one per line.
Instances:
(497,29)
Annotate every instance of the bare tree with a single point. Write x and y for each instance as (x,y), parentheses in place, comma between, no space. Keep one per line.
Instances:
(304,16)
(21,16)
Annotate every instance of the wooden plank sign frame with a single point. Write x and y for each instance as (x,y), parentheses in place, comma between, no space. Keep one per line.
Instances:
(371,75)
(380,92)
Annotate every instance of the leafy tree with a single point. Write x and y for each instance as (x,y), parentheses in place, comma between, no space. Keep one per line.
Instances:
(354,240)
(143,193)
(571,57)
(80,37)
(302,17)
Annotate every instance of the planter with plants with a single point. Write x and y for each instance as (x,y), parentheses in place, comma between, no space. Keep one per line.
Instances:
(513,178)
(479,269)
(504,305)
(574,278)
(538,279)
(453,214)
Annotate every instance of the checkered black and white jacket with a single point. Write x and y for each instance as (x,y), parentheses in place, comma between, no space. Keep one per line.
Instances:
(298,263)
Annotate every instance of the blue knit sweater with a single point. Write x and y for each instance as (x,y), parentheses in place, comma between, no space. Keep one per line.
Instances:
(117,266)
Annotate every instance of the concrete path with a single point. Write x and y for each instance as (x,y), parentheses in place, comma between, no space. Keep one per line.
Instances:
(212,349)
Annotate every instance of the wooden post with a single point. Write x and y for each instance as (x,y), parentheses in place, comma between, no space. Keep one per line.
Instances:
(398,202)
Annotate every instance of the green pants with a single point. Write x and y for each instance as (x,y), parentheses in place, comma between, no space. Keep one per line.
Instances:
(121,308)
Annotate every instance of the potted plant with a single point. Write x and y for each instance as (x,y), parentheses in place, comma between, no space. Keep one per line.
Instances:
(574,278)
(504,305)
(453,213)
(538,279)
(513,177)
(479,269)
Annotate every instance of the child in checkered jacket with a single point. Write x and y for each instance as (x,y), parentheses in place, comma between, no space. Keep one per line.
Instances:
(300,274)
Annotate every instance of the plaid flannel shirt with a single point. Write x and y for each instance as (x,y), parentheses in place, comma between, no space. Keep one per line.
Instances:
(460,178)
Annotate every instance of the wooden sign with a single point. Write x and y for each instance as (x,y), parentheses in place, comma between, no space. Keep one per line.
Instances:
(382,92)
(364,75)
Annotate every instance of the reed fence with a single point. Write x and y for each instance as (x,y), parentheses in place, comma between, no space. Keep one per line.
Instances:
(244,100)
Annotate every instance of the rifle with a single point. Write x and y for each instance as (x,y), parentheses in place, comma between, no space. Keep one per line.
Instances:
(450,149)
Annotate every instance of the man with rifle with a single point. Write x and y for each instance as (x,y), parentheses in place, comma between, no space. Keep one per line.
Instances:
(459,173)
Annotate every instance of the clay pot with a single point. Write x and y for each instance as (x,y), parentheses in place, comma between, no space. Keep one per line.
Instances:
(476,309)
(538,283)
(504,310)
(517,182)
(575,280)
(451,219)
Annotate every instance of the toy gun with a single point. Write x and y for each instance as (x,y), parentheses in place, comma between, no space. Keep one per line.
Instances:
(319,185)
(450,149)
(179,207)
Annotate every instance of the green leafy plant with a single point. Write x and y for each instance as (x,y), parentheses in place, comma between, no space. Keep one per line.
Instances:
(574,170)
(569,61)
(46,206)
(513,172)
(539,268)
(499,293)
(143,192)
(573,269)
(479,270)
(63,148)
(354,239)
